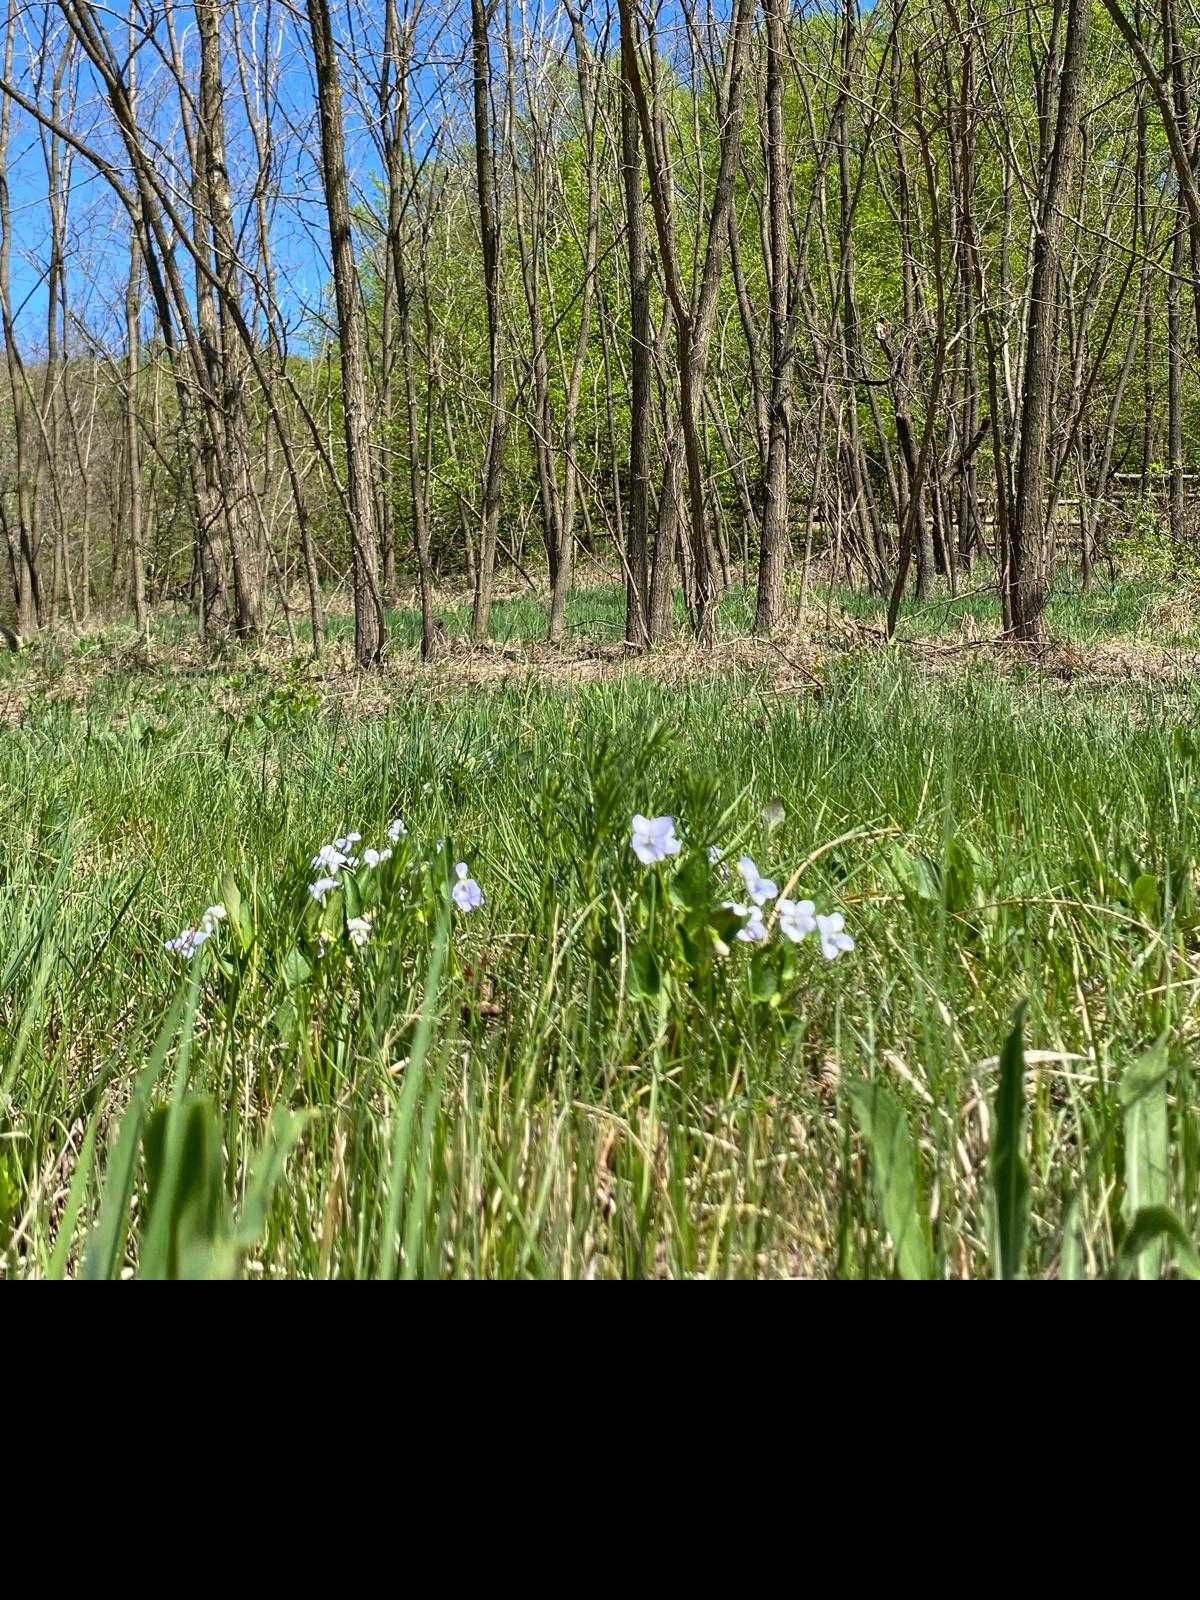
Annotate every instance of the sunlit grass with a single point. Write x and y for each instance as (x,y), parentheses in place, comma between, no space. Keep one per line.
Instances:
(590,1092)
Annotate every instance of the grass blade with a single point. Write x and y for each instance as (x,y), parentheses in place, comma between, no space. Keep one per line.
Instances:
(894,1169)
(1009,1175)
(1143,1096)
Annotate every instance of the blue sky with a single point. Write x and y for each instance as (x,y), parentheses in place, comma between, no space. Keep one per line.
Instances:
(98,248)
(98,259)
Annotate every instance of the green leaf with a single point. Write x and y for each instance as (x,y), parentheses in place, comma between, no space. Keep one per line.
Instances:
(353,896)
(1143,1095)
(1150,1225)
(645,972)
(1010,1179)
(691,887)
(106,1246)
(1145,897)
(402,1117)
(894,1170)
(917,875)
(296,969)
(764,979)
(187,1229)
(237,914)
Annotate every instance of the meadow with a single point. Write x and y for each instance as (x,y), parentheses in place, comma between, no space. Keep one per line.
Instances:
(564,1060)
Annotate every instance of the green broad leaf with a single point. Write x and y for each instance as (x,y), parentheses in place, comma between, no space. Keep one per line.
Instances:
(187,1231)
(1149,1227)
(764,978)
(691,887)
(645,972)
(106,1246)
(1009,1175)
(352,895)
(917,875)
(882,1123)
(296,969)
(1145,897)
(1143,1095)
(237,913)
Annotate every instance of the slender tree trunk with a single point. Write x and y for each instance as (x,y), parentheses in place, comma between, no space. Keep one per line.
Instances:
(1030,556)
(368,607)
(637,520)
(482,12)
(773,546)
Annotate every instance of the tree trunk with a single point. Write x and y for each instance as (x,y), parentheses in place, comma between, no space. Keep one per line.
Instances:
(368,607)
(1030,556)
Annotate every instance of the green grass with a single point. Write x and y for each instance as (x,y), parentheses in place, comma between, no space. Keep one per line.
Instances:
(1129,609)
(578,1079)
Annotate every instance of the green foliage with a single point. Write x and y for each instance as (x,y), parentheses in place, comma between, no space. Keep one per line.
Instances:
(1143,1095)
(1010,1176)
(894,1166)
(590,1074)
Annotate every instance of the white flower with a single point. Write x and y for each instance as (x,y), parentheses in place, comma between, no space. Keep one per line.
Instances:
(321,888)
(715,854)
(330,858)
(754,930)
(466,893)
(653,839)
(359,929)
(375,858)
(759,889)
(833,940)
(796,919)
(344,843)
(187,943)
(396,830)
(213,916)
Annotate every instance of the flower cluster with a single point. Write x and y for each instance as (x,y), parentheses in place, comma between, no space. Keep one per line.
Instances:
(331,859)
(187,943)
(653,839)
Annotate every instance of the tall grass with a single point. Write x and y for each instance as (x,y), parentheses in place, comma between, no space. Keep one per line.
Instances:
(589,1075)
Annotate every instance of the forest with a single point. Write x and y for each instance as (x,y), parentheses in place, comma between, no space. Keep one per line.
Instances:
(642,561)
(368,302)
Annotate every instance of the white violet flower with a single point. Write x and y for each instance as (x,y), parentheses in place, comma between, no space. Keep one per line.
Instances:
(796,919)
(321,888)
(359,929)
(759,889)
(653,839)
(833,940)
(466,893)
(754,929)
(330,859)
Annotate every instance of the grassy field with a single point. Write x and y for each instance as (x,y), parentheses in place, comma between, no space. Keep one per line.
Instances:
(590,1074)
